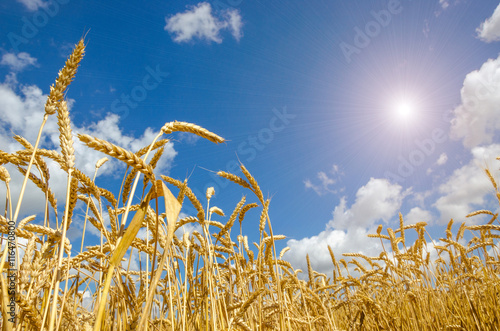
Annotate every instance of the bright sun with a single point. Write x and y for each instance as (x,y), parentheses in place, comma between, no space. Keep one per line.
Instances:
(404,110)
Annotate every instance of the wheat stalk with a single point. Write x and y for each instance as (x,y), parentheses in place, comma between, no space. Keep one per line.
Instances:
(117,152)
(66,76)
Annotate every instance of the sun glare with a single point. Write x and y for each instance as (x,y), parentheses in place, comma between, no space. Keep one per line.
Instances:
(404,110)
(403,113)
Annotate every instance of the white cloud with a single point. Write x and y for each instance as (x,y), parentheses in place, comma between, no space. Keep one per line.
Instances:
(188,138)
(33,5)
(377,201)
(416,215)
(87,301)
(352,241)
(187,228)
(235,24)
(444,4)
(325,181)
(477,118)
(318,189)
(135,262)
(419,197)
(468,187)
(199,22)
(489,30)
(324,187)
(442,159)
(17,62)
(21,113)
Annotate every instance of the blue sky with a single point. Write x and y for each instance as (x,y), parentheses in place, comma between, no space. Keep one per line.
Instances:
(310,95)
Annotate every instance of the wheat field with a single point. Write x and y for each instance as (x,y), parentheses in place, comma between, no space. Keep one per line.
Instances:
(214,279)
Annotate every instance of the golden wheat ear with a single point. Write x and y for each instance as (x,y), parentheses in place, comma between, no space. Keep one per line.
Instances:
(66,76)
(56,95)
(176,126)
